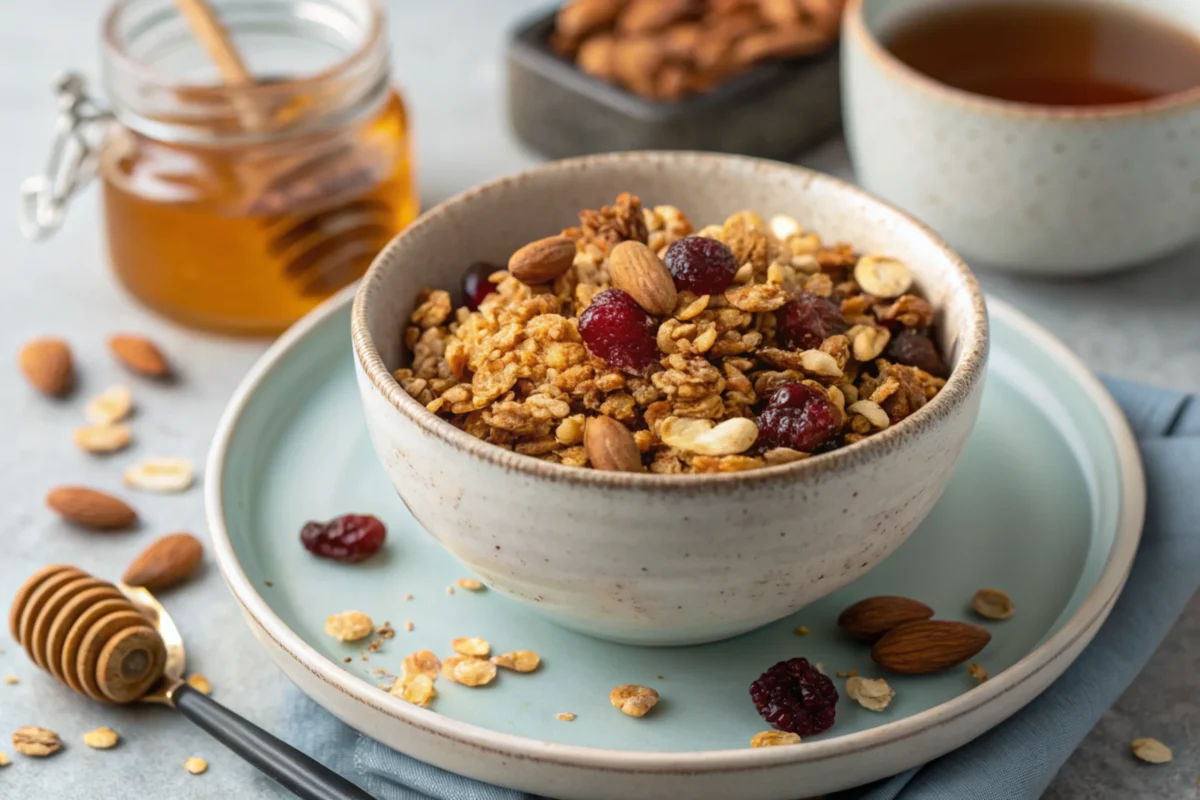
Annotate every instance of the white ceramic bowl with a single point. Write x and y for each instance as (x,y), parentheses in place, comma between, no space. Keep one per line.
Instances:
(656,559)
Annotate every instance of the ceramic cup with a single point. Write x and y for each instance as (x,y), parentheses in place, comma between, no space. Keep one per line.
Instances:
(1042,189)
(662,559)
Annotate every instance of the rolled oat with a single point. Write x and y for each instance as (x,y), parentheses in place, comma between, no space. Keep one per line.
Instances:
(349,626)
(634,700)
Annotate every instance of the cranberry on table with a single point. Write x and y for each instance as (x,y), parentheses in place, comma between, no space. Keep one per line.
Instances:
(615,328)
(351,537)
(475,283)
(794,696)
(807,320)
(916,350)
(701,265)
(799,417)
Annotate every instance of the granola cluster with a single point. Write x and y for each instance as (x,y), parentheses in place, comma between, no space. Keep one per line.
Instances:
(843,336)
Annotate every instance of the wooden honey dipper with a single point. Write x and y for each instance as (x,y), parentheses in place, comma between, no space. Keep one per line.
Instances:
(116,643)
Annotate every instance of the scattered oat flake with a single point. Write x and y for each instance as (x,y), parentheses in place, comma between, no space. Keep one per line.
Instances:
(802,631)
(347,660)
(416,689)
(199,683)
(470,584)
(196,766)
(977,672)
(565,716)
(468,670)
(101,739)
(268,584)
(633,700)
(849,674)
(10,679)
(992,604)
(408,626)
(385,631)
(518,660)
(873,694)
(4,762)
(449,590)
(349,626)
(422,662)
(160,475)
(110,406)
(1151,751)
(103,438)
(471,646)
(774,739)
(38,742)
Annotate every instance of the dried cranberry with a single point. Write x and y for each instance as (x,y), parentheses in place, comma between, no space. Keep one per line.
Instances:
(793,696)
(799,417)
(351,537)
(916,350)
(701,265)
(807,320)
(618,330)
(475,283)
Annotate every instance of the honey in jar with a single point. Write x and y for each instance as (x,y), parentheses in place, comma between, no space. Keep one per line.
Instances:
(238,208)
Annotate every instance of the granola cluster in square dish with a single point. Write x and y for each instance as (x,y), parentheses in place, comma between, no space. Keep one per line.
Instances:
(636,342)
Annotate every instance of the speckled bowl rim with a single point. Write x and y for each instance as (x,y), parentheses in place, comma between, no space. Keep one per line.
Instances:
(964,378)
(1085,621)
(854,31)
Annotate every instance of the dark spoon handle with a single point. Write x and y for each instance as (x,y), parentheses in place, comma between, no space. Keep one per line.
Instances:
(293,770)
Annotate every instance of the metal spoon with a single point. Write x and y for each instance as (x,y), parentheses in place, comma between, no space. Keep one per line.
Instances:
(295,771)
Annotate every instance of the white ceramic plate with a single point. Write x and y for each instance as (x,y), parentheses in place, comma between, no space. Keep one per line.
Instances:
(1047,503)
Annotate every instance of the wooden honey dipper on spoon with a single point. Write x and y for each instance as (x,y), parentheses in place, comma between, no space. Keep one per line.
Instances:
(117,644)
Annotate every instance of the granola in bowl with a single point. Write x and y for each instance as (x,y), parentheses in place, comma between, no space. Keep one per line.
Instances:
(725,348)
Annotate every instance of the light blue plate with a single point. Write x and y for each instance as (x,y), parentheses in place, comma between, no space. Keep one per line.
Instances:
(1045,504)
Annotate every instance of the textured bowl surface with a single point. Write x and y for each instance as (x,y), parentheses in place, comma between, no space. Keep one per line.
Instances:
(646,558)
(1045,503)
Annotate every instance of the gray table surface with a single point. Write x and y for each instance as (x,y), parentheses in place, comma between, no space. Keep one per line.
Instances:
(1142,324)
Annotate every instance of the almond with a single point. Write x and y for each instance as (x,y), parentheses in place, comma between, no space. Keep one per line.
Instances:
(166,562)
(635,269)
(47,365)
(542,261)
(610,446)
(916,648)
(90,508)
(873,617)
(140,355)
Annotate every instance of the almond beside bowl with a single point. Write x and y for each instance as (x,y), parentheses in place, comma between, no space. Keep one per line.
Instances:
(644,558)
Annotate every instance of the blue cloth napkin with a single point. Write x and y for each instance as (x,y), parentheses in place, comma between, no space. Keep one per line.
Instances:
(1015,760)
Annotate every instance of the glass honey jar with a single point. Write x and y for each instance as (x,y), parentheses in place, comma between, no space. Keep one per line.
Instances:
(228,206)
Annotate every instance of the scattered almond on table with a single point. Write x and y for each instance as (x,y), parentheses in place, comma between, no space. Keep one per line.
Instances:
(90,508)
(47,364)
(140,355)
(167,562)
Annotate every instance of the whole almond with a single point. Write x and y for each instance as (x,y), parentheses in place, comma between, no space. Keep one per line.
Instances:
(90,508)
(872,617)
(47,365)
(166,562)
(610,446)
(140,355)
(634,268)
(542,261)
(916,648)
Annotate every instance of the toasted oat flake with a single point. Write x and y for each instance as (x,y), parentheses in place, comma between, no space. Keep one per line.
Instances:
(349,626)
(110,406)
(11,679)
(518,660)
(449,590)
(992,604)
(1151,751)
(471,646)
(468,670)
(849,674)
(38,742)
(103,438)
(977,672)
(422,662)
(416,689)
(199,683)
(470,584)
(101,739)
(196,766)
(774,739)
(873,694)
(634,700)
(565,716)
(160,475)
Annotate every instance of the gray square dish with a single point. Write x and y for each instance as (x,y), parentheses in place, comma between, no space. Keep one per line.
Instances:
(774,111)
